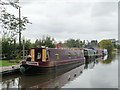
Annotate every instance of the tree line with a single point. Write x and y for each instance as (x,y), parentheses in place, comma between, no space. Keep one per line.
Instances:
(12,50)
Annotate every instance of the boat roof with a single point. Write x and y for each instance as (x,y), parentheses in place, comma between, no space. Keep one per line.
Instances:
(61,48)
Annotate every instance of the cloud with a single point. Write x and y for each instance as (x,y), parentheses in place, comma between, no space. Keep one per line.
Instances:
(104,9)
(105,17)
(63,19)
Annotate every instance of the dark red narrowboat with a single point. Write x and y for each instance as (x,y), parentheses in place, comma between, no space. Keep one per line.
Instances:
(45,60)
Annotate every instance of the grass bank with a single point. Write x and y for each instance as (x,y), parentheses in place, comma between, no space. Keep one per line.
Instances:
(9,62)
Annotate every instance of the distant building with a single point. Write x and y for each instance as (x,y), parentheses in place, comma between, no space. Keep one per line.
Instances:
(114,41)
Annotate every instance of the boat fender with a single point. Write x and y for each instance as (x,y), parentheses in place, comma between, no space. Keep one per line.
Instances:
(22,69)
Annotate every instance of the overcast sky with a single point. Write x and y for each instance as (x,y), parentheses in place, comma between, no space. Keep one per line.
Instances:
(64,19)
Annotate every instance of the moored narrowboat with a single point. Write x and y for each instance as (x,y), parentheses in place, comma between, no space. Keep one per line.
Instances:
(89,54)
(45,60)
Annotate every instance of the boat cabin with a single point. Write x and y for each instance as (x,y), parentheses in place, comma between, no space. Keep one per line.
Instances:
(37,54)
(53,54)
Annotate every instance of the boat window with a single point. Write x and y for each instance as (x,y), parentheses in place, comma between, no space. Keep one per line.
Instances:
(69,55)
(47,55)
(57,56)
(38,55)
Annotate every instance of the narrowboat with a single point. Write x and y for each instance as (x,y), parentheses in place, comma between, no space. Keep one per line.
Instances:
(89,54)
(45,60)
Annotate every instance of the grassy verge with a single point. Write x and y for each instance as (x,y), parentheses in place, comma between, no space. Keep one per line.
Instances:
(9,62)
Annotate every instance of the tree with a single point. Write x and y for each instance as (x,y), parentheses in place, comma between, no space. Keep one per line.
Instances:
(77,43)
(9,21)
(8,46)
(12,26)
(106,44)
(71,43)
(49,42)
(38,43)
(94,43)
(28,44)
(45,41)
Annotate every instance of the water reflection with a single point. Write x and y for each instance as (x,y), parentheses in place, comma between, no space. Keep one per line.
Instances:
(100,76)
(90,64)
(53,80)
(11,83)
(107,59)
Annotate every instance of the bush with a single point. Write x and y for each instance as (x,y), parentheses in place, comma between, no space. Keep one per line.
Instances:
(106,44)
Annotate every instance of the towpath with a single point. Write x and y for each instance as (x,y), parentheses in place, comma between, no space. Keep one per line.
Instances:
(8,69)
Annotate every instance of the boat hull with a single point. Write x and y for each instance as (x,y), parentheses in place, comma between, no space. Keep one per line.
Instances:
(32,70)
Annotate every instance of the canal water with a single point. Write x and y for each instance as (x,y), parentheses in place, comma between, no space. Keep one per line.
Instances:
(98,73)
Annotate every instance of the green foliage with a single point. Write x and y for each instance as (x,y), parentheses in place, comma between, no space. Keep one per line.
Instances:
(9,63)
(106,44)
(9,21)
(109,59)
(28,44)
(71,43)
(45,41)
(13,3)
(8,48)
(12,26)
(94,43)
(74,43)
